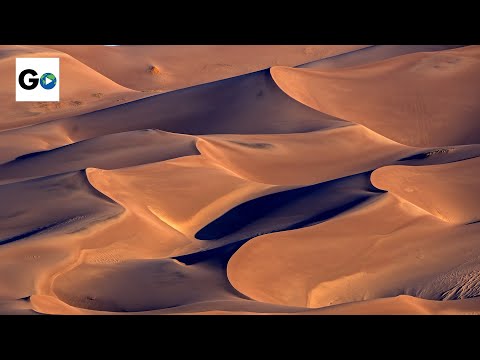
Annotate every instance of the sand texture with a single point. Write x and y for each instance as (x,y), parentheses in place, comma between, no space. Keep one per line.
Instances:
(294,180)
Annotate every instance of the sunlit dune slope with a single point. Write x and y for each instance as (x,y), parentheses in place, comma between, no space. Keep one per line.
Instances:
(171,67)
(385,248)
(82,89)
(420,99)
(447,191)
(371,54)
(305,158)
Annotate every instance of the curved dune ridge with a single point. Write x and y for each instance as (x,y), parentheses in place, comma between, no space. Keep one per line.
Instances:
(411,99)
(355,257)
(447,191)
(247,104)
(105,152)
(305,158)
(198,180)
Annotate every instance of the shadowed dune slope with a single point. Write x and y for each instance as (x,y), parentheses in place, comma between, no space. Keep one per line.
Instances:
(442,155)
(33,214)
(171,67)
(420,99)
(178,286)
(104,152)
(82,89)
(60,200)
(153,284)
(248,104)
(16,307)
(185,193)
(289,209)
(383,249)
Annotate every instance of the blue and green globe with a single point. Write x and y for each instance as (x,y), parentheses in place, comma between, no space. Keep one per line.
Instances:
(48,81)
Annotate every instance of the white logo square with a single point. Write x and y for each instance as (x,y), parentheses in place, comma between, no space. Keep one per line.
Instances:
(37,79)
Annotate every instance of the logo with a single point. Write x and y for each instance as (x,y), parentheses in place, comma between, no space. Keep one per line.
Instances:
(32,72)
(48,81)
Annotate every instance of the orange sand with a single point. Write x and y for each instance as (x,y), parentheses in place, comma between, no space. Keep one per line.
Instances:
(243,180)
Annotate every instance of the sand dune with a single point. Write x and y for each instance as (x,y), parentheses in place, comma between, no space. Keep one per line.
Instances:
(156,191)
(104,152)
(411,99)
(82,89)
(442,155)
(171,67)
(371,54)
(16,307)
(289,209)
(202,182)
(305,158)
(400,305)
(168,283)
(69,198)
(243,105)
(32,213)
(403,305)
(447,191)
(355,257)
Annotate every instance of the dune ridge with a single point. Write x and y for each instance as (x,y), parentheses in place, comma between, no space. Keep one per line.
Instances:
(372,95)
(302,180)
(172,67)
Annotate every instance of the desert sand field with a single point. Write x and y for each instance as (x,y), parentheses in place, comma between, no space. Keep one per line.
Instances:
(246,179)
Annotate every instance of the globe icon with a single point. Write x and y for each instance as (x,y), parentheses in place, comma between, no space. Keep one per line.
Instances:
(48,81)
